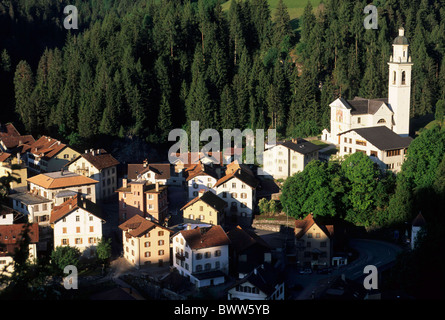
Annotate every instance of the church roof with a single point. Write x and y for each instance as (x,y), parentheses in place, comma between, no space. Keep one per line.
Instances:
(401,39)
(364,106)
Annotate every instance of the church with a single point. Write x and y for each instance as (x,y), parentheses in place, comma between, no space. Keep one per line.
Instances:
(377,127)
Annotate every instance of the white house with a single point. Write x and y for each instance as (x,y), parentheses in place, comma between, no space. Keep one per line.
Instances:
(61,185)
(200,177)
(202,254)
(77,223)
(98,165)
(238,189)
(289,157)
(35,207)
(383,146)
(263,283)
(392,112)
(10,239)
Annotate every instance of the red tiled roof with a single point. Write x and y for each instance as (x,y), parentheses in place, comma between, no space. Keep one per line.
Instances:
(46,146)
(11,142)
(8,130)
(4,156)
(206,237)
(242,239)
(73,204)
(305,224)
(100,159)
(241,175)
(137,226)
(11,235)
(56,180)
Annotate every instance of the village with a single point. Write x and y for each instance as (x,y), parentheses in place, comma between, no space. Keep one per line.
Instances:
(200,230)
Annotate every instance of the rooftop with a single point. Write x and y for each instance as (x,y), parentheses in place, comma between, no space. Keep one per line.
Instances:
(74,204)
(206,237)
(60,179)
(382,137)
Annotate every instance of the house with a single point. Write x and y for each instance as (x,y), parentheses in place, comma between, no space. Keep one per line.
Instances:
(145,242)
(163,173)
(36,208)
(417,224)
(77,223)
(314,243)
(247,251)
(7,130)
(392,112)
(288,157)
(238,189)
(98,165)
(61,185)
(382,145)
(48,155)
(143,198)
(13,166)
(201,177)
(12,141)
(11,236)
(262,283)
(205,208)
(201,254)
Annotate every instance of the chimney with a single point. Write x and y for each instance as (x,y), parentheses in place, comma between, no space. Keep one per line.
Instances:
(188,227)
(98,151)
(93,153)
(124,183)
(86,151)
(145,163)
(401,32)
(61,171)
(157,186)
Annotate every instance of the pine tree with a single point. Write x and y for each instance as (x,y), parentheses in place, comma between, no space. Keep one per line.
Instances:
(24,87)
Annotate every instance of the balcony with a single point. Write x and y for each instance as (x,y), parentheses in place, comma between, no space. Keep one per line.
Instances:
(180,256)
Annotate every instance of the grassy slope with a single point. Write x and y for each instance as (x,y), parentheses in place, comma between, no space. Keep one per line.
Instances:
(295,7)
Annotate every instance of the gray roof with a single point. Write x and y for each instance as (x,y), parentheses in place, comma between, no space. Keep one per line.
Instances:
(22,195)
(301,146)
(383,138)
(401,40)
(364,106)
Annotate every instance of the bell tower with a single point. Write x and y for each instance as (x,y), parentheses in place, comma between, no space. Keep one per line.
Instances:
(399,87)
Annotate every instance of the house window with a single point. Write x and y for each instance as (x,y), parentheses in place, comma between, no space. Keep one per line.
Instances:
(65,241)
(233,185)
(77,218)
(77,229)
(359,120)
(207,266)
(201,208)
(78,240)
(64,230)
(91,218)
(403,76)
(360,142)
(199,267)
(198,256)
(373,153)
(207,255)
(394,77)
(160,233)
(217,253)
(147,254)
(224,195)
(217,264)
(391,153)
(161,242)
(91,229)
(323,244)
(91,240)
(309,235)
(147,244)
(346,140)
(161,252)
(234,195)
(381,121)
(317,235)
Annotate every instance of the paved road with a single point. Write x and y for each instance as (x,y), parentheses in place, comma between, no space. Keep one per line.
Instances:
(371,252)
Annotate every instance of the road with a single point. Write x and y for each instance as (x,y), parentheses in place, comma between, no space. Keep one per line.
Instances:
(371,252)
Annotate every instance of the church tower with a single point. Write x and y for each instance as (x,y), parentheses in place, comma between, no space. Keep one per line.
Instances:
(399,87)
